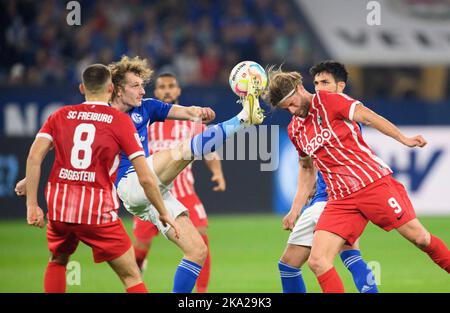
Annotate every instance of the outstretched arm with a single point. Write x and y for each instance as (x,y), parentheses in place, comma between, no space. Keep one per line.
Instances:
(38,151)
(367,117)
(192,113)
(305,185)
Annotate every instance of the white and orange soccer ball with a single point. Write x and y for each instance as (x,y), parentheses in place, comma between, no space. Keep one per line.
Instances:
(242,72)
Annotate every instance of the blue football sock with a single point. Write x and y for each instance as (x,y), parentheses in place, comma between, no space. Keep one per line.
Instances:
(362,274)
(186,276)
(291,279)
(215,136)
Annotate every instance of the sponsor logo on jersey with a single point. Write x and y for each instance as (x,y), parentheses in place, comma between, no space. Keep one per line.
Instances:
(137,118)
(318,141)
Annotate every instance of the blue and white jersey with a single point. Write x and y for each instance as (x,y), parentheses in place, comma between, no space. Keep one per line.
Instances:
(151,110)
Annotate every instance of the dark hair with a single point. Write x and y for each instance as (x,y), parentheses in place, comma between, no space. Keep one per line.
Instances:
(95,77)
(336,69)
(166,74)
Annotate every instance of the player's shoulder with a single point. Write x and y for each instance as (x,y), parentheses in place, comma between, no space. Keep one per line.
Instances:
(62,111)
(149,106)
(335,96)
(146,102)
(328,99)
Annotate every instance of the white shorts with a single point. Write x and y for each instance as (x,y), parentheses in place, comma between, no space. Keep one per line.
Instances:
(302,234)
(135,201)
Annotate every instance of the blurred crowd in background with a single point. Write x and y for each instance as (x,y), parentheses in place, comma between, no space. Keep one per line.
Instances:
(200,41)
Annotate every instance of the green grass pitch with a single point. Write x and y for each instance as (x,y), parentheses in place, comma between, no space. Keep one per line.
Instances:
(245,250)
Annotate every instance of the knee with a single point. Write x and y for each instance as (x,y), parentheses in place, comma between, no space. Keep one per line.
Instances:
(288,259)
(198,252)
(318,264)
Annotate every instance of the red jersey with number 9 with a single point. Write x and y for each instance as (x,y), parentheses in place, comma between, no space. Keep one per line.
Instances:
(333,140)
(87,139)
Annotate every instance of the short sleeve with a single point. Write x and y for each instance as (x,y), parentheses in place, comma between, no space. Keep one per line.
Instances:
(339,105)
(156,109)
(291,133)
(128,138)
(47,130)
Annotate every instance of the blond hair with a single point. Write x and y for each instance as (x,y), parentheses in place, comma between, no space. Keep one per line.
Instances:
(281,85)
(136,65)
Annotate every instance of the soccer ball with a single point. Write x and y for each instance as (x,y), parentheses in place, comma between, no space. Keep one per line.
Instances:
(242,72)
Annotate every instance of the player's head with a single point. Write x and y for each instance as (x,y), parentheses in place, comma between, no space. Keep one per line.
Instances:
(330,76)
(167,88)
(96,82)
(129,77)
(285,91)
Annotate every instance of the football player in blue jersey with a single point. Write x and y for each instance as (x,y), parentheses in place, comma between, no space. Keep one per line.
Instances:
(129,77)
(330,76)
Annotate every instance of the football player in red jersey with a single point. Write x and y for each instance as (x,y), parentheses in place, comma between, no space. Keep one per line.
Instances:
(302,219)
(165,135)
(359,184)
(81,197)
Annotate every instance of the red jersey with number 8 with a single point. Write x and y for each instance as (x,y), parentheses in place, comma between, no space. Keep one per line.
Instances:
(87,139)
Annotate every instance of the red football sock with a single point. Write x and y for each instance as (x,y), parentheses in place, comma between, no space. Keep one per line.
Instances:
(330,282)
(203,277)
(55,278)
(438,252)
(140,254)
(139,288)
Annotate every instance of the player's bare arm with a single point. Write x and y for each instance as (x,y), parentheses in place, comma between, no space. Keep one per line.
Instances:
(149,183)
(305,185)
(192,113)
(38,151)
(214,164)
(367,117)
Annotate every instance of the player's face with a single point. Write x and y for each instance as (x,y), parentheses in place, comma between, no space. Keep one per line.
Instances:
(297,104)
(133,91)
(325,81)
(167,89)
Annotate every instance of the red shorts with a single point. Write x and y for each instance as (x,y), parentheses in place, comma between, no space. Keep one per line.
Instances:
(145,231)
(384,203)
(108,241)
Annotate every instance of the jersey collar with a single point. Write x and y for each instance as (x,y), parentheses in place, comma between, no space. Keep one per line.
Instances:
(96,102)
